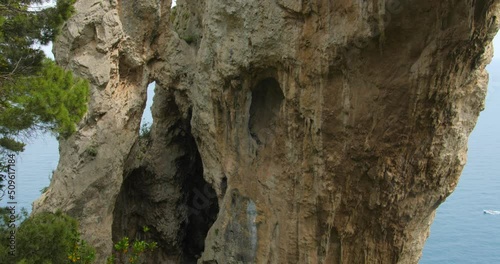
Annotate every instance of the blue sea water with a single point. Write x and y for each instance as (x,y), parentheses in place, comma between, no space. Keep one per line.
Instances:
(461,233)
(34,169)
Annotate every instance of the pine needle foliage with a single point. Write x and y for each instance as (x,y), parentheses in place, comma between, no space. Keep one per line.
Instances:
(35,94)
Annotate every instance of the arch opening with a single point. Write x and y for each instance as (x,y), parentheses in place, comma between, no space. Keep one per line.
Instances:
(147,117)
(169,195)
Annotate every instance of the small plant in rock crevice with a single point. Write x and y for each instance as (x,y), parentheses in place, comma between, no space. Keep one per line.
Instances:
(131,252)
(91,151)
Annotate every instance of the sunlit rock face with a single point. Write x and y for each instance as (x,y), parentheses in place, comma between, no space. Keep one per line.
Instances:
(284,131)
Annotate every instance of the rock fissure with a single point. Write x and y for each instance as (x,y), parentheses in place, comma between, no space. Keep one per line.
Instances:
(201,201)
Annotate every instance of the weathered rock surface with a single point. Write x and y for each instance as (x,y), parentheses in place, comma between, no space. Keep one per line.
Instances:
(284,131)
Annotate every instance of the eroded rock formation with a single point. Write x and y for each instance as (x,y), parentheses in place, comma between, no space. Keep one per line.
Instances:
(284,131)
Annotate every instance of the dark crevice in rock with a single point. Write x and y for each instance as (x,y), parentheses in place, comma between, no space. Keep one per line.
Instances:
(200,197)
(132,205)
(266,103)
(223,186)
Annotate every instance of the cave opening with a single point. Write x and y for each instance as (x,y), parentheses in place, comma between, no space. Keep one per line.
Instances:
(136,198)
(130,205)
(200,200)
(267,97)
(169,195)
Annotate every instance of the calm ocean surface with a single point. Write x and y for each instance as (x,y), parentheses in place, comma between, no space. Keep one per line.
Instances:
(461,233)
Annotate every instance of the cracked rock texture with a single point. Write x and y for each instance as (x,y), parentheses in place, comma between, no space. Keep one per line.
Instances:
(309,131)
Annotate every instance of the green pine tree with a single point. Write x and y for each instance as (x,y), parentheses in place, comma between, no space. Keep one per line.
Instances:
(21,27)
(34,92)
(51,100)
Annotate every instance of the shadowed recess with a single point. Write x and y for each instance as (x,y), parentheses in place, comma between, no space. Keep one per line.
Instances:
(201,200)
(266,103)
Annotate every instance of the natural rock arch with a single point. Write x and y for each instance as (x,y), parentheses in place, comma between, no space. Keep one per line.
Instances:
(381,97)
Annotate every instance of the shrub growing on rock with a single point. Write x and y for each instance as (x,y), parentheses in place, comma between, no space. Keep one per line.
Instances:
(45,238)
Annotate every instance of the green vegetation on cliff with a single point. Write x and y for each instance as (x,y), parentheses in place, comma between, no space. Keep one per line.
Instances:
(54,238)
(42,238)
(131,252)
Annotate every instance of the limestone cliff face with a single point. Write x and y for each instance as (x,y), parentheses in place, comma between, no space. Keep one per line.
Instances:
(284,131)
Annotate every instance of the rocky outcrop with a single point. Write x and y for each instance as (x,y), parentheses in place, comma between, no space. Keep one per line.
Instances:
(284,131)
